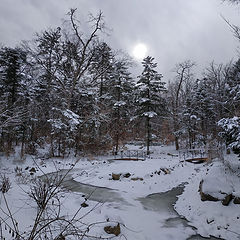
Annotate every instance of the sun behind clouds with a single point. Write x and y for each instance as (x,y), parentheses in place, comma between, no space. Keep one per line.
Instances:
(140,51)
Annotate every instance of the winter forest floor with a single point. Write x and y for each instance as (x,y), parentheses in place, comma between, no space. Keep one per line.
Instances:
(153,199)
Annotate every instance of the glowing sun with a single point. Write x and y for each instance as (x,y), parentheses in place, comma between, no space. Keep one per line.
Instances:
(140,51)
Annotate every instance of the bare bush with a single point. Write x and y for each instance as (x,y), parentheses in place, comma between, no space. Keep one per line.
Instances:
(5,184)
(43,190)
(21,176)
(50,221)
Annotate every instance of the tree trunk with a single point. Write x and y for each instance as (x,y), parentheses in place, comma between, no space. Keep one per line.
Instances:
(52,147)
(101,86)
(148,135)
(23,142)
(118,119)
(175,127)
(117,143)
(176,143)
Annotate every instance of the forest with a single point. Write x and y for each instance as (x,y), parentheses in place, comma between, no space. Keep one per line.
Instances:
(71,90)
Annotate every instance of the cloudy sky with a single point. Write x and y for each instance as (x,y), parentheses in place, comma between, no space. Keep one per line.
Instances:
(172,30)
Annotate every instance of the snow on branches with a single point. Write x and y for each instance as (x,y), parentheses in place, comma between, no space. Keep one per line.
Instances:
(231,132)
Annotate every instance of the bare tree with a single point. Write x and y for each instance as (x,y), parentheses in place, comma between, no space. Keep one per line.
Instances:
(232,1)
(84,48)
(234,28)
(49,222)
(11,117)
(180,88)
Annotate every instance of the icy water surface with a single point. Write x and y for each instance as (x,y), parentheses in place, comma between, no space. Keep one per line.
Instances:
(95,193)
(163,203)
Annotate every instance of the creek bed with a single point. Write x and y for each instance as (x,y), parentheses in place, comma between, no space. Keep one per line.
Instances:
(157,202)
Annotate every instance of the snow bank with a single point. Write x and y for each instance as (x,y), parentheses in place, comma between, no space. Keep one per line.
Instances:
(212,218)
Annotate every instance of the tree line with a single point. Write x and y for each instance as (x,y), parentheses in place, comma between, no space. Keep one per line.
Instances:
(69,90)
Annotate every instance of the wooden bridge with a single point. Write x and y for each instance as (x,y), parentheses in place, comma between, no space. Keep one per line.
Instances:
(200,154)
(133,155)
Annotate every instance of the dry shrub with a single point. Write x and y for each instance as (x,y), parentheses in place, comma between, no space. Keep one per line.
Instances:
(5,184)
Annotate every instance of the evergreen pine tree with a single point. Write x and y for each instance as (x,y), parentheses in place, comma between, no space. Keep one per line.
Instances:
(149,100)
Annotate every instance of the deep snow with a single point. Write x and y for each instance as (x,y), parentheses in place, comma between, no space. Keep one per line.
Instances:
(134,203)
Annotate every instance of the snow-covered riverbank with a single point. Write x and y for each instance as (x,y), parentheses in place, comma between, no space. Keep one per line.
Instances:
(133,203)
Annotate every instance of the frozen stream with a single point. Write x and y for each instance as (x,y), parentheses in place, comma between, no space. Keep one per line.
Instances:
(162,203)
(98,194)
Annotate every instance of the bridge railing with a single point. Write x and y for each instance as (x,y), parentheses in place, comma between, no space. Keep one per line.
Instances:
(132,154)
(209,153)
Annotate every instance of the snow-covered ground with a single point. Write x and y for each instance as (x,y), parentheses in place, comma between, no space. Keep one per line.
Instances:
(131,200)
(212,217)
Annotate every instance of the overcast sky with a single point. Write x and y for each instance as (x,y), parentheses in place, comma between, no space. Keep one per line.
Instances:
(173,30)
